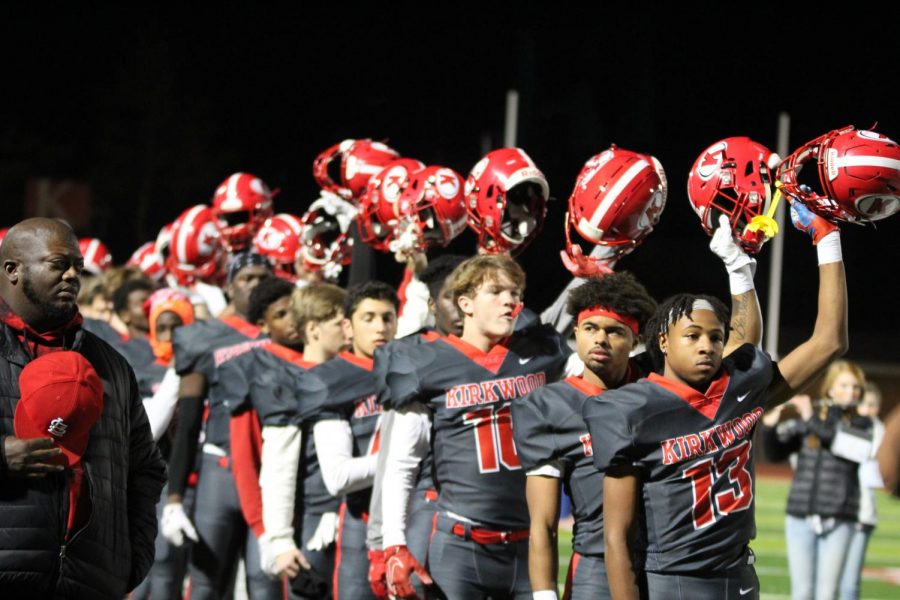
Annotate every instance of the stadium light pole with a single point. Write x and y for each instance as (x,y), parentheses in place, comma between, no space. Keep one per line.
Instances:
(773,310)
(511,123)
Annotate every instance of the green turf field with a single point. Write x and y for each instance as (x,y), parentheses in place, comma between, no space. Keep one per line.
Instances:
(882,559)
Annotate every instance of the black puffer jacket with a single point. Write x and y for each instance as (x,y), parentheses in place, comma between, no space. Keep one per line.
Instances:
(824,484)
(125,473)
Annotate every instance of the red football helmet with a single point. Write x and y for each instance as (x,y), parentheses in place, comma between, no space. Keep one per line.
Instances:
(196,251)
(859,173)
(619,196)
(97,258)
(432,209)
(379,214)
(241,204)
(359,161)
(326,244)
(3,232)
(148,260)
(733,177)
(506,200)
(279,240)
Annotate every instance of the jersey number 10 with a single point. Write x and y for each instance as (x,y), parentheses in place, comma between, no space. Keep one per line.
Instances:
(704,474)
(493,432)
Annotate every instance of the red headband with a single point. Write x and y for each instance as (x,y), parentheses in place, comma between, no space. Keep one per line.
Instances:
(602,311)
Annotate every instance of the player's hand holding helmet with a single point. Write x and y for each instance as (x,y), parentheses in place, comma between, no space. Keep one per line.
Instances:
(809,222)
(326,245)
(506,201)
(858,175)
(400,564)
(619,196)
(733,178)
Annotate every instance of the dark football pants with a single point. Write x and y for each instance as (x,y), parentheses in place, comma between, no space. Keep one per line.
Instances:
(320,560)
(586,579)
(351,561)
(465,570)
(224,536)
(736,584)
(165,581)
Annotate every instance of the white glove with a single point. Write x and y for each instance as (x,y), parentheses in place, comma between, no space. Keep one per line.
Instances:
(176,525)
(325,533)
(726,247)
(740,266)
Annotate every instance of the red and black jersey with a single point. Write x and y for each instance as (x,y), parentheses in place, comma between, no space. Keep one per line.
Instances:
(469,394)
(694,452)
(203,347)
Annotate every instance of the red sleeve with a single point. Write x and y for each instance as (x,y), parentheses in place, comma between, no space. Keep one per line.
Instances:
(401,291)
(246,457)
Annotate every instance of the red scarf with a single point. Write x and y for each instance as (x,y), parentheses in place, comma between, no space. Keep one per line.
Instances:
(36,342)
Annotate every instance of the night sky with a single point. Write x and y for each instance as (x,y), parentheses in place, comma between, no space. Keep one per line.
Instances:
(153,110)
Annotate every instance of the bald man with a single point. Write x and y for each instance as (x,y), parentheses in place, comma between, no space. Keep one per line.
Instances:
(100,545)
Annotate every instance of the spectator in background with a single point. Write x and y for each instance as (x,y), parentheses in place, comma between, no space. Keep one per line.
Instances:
(869,480)
(824,500)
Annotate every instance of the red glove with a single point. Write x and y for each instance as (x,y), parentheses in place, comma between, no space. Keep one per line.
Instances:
(400,564)
(583,266)
(806,220)
(376,574)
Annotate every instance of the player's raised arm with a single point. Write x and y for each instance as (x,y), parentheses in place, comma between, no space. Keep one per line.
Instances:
(746,320)
(829,337)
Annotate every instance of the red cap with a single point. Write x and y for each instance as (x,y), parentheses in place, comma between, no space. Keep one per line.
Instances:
(61,398)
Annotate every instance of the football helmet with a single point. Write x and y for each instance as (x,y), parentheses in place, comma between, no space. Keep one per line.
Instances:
(359,161)
(196,251)
(241,205)
(148,261)
(619,196)
(97,258)
(733,177)
(325,241)
(506,200)
(279,241)
(379,213)
(3,232)
(432,209)
(859,175)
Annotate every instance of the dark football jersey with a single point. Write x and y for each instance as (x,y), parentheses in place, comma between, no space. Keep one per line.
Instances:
(149,376)
(350,395)
(695,455)
(249,378)
(549,429)
(137,351)
(469,394)
(203,347)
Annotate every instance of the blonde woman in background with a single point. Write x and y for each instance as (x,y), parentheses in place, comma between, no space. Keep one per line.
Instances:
(831,439)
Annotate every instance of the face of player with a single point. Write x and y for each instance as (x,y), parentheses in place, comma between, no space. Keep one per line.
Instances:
(372,325)
(243,283)
(330,336)
(693,348)
(446,318)
(166,323)
(491,311)
(604,345)
(134,315)
(846,389)
(278,322)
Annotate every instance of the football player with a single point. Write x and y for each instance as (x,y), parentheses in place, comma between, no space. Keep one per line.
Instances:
(678,445)
(452,395)
(550,433)
(221,533)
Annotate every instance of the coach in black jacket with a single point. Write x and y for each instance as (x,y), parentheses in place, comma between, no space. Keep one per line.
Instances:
(112,552)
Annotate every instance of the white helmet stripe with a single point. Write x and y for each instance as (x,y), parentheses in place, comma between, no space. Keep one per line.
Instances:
(867,161)
(613,193)
(181,241)
(91,255)
(232,186)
